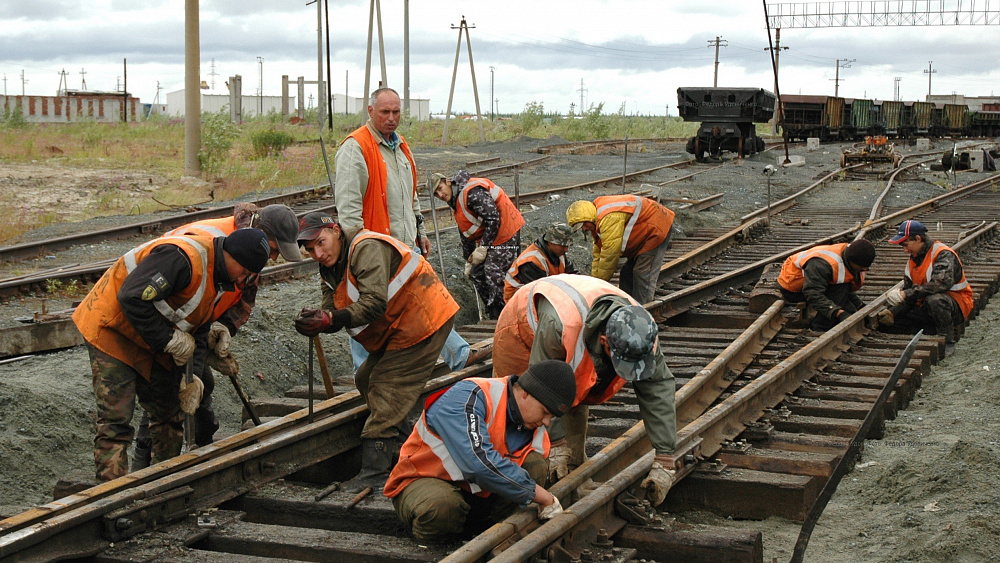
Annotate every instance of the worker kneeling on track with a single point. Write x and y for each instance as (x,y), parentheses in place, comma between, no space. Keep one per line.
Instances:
(390,300)
(935,296)
(826,278)
(146,318)
(479,451)
(608,339)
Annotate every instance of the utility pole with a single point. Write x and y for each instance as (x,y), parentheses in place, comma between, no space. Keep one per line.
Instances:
(319,66)
(83,79)
(329,71)
(581,91)
(454,74)
(260,86)
(156,100)
(5,84)
(375,10)
(406,57)
(777,52)
(930,70)
(836,80)
(717,42)
(192,90)
(491,92)
(895,87)
(63,84)
(25,81)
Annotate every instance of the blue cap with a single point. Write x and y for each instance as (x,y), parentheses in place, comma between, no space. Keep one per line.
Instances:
(908,229)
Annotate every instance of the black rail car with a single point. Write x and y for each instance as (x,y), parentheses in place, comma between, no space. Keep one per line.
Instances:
(727,117)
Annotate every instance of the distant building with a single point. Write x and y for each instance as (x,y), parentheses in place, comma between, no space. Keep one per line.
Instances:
(975,103)
(73,105)
(215,103)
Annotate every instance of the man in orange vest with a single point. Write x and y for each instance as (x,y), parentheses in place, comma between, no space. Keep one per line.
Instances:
(545,257)
(232,310)
(147,317)
(489,226)
(637,228)
(609,340)
(826,278)
(935,296)
(390,300)
(478,452)
(377,190)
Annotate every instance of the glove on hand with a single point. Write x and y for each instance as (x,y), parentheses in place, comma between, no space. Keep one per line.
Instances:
(468,268)
(181,347)
(219,339)
(311,322)
(551,510)
(558,463)
(896,297)
(227,366)
(478,255)
(190,394)
(886,318)
(658,483)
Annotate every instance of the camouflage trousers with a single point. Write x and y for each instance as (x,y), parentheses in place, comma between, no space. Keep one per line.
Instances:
(438,511)
(116,388)
(488,277)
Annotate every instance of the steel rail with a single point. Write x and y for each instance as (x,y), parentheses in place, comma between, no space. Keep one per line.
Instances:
(28,249)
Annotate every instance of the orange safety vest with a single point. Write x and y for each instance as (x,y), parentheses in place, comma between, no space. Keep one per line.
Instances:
(791,277)
(648,226)
(375,204)
(572,296)
(531,255)
(425,455)
(103,324)
(961,292)
(418,303)
(471,226)
(213,228)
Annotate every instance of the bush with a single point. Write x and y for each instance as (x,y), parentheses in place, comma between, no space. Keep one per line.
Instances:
(217,136)
(269,142)
(13,119)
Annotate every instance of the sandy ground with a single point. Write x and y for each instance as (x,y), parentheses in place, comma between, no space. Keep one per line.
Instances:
(942,450)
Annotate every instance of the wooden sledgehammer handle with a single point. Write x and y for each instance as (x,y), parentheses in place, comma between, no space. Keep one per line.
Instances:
(321,356)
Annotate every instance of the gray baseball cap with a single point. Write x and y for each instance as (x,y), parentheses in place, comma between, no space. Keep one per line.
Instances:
(280,222)
(632,337)
(559,233)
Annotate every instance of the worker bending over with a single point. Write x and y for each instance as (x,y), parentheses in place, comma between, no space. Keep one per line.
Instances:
(545,257)
(479,451)
(826,278)
(389,300)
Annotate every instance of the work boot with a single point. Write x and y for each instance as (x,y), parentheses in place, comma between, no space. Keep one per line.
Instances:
(376,461)
(143,453)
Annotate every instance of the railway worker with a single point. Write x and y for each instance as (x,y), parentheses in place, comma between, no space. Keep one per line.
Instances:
(826,278)
(231,311)
(146,318)
(377,190)
(609,340)
(545,257)
(478,451)
(935,296)
(626,225)
(489,225)
(390,300)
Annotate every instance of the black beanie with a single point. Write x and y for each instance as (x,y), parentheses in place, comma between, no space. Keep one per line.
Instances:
(249,247)
(552,383)
(860,252)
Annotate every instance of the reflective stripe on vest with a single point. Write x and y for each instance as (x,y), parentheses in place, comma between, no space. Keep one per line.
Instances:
(936,248)
(840,271)
(961,291)
(634,207)
(540,260)
(582,308)
(402,276)
(176,316)
(208,230)
(460,205)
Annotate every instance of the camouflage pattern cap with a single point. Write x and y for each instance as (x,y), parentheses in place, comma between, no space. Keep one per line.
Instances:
(559,233)
(632,337)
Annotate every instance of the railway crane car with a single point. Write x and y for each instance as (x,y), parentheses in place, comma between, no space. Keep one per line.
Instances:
(727,117)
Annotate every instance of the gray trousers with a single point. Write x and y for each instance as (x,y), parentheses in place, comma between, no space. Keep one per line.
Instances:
(639,275)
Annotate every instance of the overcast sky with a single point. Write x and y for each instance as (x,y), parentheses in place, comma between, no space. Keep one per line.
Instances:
(630,52)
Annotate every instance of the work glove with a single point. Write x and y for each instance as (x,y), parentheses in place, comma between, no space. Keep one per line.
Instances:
(895,297)
(886,318)
(181,347)
(311,322)
(585,489)
(219,339)
(227,365)
(478,255)
(551,510)
(657,483)
(558,463)
(468,268)
(190,394)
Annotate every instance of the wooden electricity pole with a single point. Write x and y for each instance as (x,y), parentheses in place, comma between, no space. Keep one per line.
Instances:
(454,73)
(374,10)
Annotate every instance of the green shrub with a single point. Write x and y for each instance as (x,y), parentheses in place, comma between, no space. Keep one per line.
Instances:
(269,142)
(217,136)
